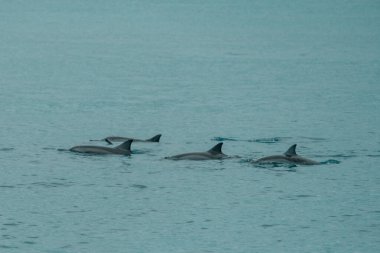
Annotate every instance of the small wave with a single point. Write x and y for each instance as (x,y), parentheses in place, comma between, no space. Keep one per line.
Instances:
(259,140)
(342,156)
(7,186)
(52,184)
(224,139)
(283,169)
(313,138)
(139,151)
(351,215)
(29,242)
(269,225)
(62,150)
(139,186)
(277,167)
(2,246)
(12,224)
(331,161)
(6,149)
(268,140)
(304,196)
(49,148)
(246,160)
(374,156)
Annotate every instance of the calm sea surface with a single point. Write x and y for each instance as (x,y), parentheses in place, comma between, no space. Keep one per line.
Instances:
(257,75)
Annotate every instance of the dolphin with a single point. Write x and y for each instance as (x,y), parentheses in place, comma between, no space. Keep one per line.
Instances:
(122,149)
(110,139)
(214,153)
(289,157)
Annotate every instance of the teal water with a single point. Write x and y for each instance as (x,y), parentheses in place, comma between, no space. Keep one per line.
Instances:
(257,75)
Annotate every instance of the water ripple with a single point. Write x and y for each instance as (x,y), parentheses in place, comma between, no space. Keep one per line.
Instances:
(52,184)
(269,140)
(296,197)
(29,242)
(7,186)
(373,156)
(139,186)
(6,149)
(269,225)
(331,161)
(2,246)
(12,224)
(224,139)
(313,138)
(340,156)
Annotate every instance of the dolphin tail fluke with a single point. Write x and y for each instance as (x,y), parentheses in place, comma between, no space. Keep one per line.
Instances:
(217,148)
(125,145)
(291,151)
(155,138)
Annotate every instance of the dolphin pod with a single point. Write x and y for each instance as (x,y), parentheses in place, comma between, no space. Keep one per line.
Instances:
(289,157)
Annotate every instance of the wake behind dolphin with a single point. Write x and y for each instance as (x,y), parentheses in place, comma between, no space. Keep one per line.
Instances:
(122,149)
(289,157)
(111,139)
(214,153)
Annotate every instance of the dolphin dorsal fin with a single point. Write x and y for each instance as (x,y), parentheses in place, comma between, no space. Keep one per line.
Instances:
(217,148)
(291,151)
(125,145)
(155,138)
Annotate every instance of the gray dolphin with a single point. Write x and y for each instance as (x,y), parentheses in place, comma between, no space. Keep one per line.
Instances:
(122,149)
(289,157)
(110,139)
(214,153)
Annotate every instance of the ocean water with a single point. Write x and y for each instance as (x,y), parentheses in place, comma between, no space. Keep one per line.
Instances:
(257,75)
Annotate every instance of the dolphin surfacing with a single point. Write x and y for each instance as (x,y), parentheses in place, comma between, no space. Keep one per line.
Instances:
(289,157)
(122,149)
(111,139)
(212,154)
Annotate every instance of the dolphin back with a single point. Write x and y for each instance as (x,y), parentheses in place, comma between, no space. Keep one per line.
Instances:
(289,157)
(214,153)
